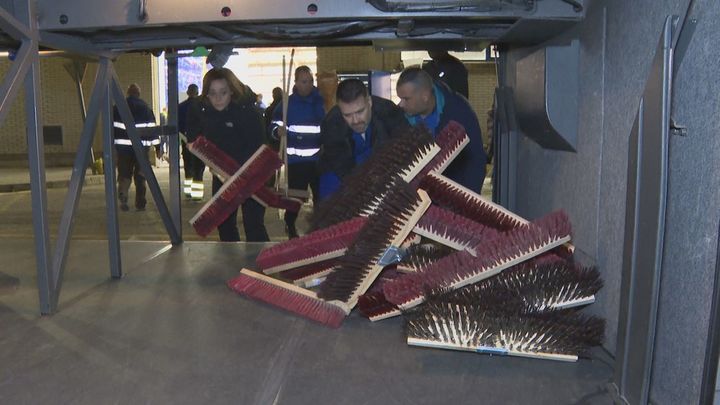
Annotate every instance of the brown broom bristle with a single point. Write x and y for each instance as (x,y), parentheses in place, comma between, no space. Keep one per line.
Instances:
(363,189)
(493,256)
(389,226)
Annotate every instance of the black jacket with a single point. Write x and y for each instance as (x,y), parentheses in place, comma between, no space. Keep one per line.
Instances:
(336,143)
(237,130)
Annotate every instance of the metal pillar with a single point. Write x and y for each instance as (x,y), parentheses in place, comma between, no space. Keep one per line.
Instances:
(174,144)
(645,228)
(113,228)
(72,198)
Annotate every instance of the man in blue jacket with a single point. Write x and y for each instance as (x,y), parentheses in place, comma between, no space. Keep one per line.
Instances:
(304,113)
(352,130)
(434,104)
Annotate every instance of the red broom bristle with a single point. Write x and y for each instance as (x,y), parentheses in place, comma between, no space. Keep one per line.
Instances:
(213,157)
(269,198)
(494,255)
(446,193)
(452,139)
(451,229)
(251,176)
(298,250)
(374,306)
(288,297)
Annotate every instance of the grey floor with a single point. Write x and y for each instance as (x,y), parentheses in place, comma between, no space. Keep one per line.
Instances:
(170,331)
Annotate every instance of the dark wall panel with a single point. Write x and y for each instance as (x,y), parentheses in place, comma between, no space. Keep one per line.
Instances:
(693,214)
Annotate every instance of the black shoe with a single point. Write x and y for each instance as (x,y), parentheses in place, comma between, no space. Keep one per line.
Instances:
(124,206)
(139,208)
(291,231)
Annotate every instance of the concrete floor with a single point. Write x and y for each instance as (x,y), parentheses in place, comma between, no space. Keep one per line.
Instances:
(171,331)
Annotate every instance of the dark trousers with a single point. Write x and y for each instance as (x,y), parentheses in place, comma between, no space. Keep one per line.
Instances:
(129,171)
(253,215)
(192,165)
(300,176)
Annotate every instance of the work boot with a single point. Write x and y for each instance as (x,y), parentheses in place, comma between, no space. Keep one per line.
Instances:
(291,231)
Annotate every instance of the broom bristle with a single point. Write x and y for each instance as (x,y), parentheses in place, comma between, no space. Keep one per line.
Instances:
(251,176)
(451,140)
(214,158)
(287,296)
(357,269)
(493,256)
(422,255)
(559,336)
(451,229)
(363,189)
(313,247)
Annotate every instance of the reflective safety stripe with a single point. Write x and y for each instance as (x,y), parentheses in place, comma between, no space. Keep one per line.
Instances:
(198,189)
(121,141)
(302,152)
(121,125)
(304,129)
(278,123)
(187,186)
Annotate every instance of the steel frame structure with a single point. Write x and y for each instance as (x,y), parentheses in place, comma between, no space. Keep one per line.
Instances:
(106,91)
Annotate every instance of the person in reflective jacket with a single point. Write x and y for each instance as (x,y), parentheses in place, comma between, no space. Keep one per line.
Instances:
(127,164)
(304,113)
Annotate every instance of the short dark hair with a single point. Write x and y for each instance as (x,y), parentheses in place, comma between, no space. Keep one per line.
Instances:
(416,76)
(350,89)
(303,69)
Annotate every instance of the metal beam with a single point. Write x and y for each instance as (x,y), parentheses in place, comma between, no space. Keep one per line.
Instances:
(15,76)
(72,198)
(113,228)
(142,159)
(13,27)
(174,144)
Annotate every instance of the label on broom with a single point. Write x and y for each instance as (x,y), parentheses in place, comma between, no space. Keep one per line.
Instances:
(390,256)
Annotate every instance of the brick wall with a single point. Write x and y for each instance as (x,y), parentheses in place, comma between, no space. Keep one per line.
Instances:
(356,59)
(60,103)
(482,80)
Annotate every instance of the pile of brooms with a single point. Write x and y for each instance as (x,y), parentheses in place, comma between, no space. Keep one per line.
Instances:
(399,238)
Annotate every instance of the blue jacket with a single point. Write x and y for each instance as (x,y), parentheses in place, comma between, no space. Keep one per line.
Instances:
(468,168)
(304,116)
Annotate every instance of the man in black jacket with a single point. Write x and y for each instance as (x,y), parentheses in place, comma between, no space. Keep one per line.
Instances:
(127,163)
(352,129)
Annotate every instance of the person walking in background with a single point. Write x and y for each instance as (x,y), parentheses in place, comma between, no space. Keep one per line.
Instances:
(433,104)
(448,69)
(127,163)
(226,115)
(268,113)
(352,129)
(305,111)
(194,168)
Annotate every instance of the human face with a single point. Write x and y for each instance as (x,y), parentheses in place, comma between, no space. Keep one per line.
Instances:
(304,84)
(414,100)
(219,94)
(357,113)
